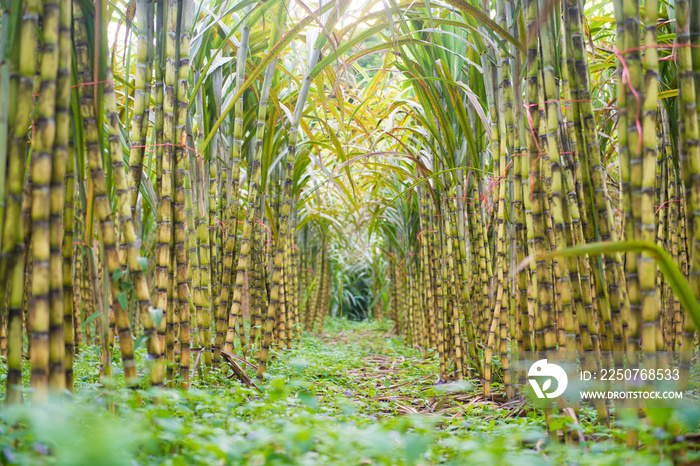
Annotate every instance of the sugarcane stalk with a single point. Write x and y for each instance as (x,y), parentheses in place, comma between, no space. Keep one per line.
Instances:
(647,265)
(104,214)
(254,193)
(180,206)
(232,214)
(21,85)
(43,287)
(139,118)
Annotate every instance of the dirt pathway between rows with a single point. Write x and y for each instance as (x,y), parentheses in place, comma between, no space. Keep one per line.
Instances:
(383,378)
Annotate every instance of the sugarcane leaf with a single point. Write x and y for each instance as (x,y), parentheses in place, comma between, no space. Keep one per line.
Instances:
(143,262)
(117,275)
(148,193)
(474,12)
(272,55)
(87,321)
(123,300)
(140,340)
(346,46)
(671,272)
(125,285)
(156,315)
(270,215)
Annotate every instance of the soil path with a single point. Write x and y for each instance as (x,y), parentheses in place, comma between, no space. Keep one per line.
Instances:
(384,376)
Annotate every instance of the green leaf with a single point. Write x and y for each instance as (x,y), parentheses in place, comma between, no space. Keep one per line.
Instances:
(140,340)
(144,263)
(117,275)
(273,54)
(415,447)
(123,300)
(87,321)
(675,277)
(156,314)
(309,400)
(124,285)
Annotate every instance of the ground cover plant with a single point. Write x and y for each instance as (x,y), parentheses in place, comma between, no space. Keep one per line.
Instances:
(342,397)
(196,195)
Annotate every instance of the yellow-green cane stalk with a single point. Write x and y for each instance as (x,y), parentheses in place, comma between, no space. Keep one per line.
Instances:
(217,197)
(232,223)
(689,156)
(257,289)
(545,338)
(457,212)
(501,296)
(627,16)
(436,264)
(159,92)
(256,326)
(215,238)
(426,268)
(673,198)
(289,295)
(164,211)
(295,285)
(14,335)
(58,376)
(128,233)
(5,98)
(104,213)
(601,212)
(40,316)
(255,176)
(212,230)
(142,98)
(69,322)
(192,268)
(562,272)
(286,205)
(180,205)
(580,267)
(452,268)
(204,287)
(647,266)
(195,269)
(20,108)
(170,318)
(17,272)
